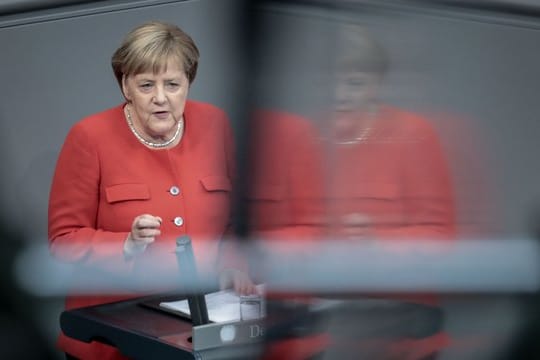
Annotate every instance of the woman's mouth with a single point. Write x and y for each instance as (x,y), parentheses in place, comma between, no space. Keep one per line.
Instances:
(162,115)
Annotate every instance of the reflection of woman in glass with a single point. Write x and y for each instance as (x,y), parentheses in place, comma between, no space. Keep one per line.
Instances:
(388,176)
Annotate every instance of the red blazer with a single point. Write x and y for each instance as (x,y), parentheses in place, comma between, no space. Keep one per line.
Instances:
(105,177)
(397,180)
(397,177)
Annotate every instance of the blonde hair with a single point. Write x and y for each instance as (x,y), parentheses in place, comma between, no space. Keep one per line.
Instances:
(359,51)
(150,46)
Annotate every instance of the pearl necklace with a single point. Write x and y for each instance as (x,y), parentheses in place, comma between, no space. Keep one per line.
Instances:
(179,129)
(364,135)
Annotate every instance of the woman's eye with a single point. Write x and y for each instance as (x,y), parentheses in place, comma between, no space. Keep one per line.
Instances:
(173,85)
(145,86)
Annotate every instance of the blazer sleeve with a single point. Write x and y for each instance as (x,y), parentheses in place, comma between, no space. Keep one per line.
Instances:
(73,208)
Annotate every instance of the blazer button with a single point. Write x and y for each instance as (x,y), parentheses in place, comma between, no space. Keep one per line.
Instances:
(178,221)
(174,190)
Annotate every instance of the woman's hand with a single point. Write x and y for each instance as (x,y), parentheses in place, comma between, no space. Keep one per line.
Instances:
(144,230)
(357,226)
(238,280)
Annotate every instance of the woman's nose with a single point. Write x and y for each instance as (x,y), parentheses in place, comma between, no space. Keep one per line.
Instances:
(159,95)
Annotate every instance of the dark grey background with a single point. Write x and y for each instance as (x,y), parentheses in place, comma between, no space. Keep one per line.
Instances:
(479,69)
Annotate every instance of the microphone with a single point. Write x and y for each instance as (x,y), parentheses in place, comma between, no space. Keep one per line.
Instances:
(188,273)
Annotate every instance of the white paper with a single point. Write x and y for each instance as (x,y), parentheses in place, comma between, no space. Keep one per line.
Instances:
(223,306)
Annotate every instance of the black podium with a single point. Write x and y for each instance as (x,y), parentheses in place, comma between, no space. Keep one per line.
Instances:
(140,331)
(136,330)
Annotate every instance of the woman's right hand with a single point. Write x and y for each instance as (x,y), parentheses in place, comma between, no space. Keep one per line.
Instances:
(144,230)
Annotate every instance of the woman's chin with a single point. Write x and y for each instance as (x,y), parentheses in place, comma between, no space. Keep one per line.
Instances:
(163,126)
(162,131)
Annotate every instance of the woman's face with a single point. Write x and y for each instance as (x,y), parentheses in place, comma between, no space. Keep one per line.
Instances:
(355,90)
(157,99)
(355,95)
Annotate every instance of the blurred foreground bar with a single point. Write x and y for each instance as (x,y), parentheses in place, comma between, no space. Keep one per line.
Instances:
(465,266)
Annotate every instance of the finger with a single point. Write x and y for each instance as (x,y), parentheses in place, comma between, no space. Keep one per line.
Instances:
(237,286)
(144,241)
(138,219)
(148,232)
(250,288)
(149,217)
(243,290)
(141,240)
(148,223)
(245,287)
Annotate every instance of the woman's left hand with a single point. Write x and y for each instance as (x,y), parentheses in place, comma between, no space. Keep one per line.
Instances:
(238,280)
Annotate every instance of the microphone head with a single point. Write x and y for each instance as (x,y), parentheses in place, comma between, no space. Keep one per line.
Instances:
(183,240)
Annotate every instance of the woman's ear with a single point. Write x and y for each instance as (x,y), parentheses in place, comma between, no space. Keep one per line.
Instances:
(125,88)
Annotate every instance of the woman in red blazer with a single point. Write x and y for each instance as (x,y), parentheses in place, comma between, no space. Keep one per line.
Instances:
(388,177)
(131,179)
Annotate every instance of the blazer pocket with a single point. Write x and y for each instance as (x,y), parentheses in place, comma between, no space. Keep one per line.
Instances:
(124,192)
(216,183)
